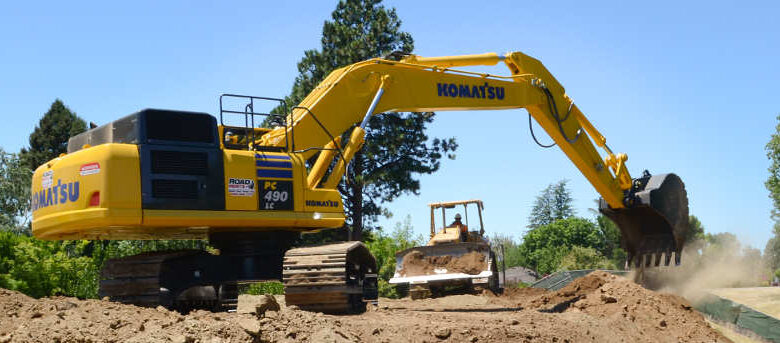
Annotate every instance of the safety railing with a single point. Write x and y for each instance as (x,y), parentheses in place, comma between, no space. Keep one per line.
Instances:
(248,102)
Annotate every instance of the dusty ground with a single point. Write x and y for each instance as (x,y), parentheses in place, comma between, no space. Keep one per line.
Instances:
(597,308)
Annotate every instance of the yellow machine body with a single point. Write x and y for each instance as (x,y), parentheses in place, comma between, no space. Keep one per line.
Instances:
(95,193)
(651,211)
(446,235)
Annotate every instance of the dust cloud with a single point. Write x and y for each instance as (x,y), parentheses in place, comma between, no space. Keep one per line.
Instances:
(705,266)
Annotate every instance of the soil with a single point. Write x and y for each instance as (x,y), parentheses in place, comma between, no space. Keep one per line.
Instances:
(597,308)
(416,263)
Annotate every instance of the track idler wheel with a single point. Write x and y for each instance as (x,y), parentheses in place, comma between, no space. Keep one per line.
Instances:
(654,223)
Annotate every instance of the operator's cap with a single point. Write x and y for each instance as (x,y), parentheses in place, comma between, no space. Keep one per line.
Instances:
(457,216)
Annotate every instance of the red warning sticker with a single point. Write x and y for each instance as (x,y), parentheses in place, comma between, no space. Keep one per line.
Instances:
(89,169)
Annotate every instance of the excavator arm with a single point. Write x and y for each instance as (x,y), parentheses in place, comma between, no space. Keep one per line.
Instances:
(651,211)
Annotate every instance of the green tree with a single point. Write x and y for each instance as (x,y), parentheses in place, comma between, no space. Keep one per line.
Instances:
(14,193)
(44,268)
(772,250)
(554,203)
(723,244)
(585,258)
(50,137)
(773,181)
(384,247)
(544,247)
(696,231)
(511,251)
(611,233)
(397,148)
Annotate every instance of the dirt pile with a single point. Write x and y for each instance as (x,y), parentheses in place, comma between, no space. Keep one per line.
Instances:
(416,263)
(60,319)
(597,308)
(628,307)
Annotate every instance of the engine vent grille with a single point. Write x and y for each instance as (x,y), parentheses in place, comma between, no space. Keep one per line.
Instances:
(179,162)
(175,189)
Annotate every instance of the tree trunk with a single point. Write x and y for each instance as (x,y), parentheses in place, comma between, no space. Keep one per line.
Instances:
(357,200)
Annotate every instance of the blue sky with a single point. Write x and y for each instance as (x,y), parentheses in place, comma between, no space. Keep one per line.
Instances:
(684,87)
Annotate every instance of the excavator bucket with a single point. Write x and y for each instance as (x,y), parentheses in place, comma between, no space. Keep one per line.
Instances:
(654,223)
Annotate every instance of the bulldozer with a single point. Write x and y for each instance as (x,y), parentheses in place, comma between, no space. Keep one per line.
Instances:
(252,191)
(455,259)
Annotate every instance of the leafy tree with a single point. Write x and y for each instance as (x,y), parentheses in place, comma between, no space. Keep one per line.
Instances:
(44,268)
(722,244)
(585,258)
(384,247)
(511,251)
(772,250)
(14,193)
(50,137)
(696,231)
(544,247)
(396,147)
(611,234)
(554,203)
(773,181)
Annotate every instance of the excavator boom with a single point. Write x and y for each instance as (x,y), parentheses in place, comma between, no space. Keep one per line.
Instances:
(652,212)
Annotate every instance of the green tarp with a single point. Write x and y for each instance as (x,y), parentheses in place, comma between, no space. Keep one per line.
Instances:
(721,309)
(742,316)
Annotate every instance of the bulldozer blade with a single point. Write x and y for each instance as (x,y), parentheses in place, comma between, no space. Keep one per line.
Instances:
(454,250)
(654,221)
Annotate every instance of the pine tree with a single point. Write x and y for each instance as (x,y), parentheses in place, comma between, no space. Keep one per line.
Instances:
(50,137)
(554,203)
(397,148)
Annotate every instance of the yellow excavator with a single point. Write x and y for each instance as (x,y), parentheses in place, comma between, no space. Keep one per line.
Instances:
(163,174)
(456,259)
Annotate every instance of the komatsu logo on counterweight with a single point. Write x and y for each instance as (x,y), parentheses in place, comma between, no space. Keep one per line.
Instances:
(59,193)
(485,91)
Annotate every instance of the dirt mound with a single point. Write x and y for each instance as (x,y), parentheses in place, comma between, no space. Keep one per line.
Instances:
(597,308)
(628,306)
(416,263)
(60,319)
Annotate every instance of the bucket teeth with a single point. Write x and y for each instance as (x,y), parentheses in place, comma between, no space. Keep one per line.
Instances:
(654,259)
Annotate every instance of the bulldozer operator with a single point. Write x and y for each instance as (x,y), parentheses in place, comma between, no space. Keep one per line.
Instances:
(464,229)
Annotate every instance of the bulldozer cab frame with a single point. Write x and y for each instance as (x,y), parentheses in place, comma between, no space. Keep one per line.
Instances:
(451,205)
